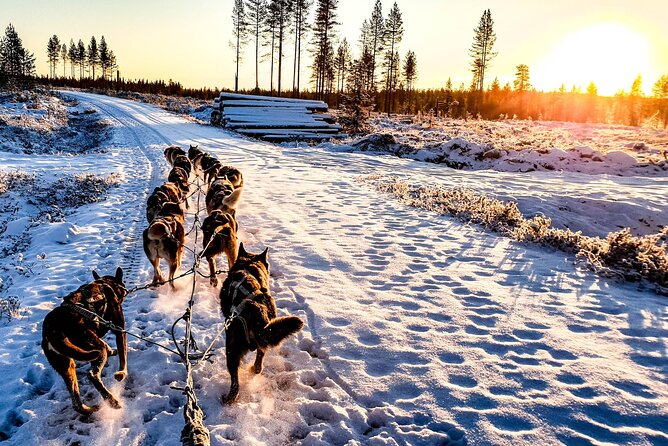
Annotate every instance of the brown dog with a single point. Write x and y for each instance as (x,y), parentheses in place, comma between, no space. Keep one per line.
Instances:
(68,335)
(184,163)
(164,239)
(179,177)
(232,174)
(245,293)
(195,155)
(172,152)
(222,196)
(220,236)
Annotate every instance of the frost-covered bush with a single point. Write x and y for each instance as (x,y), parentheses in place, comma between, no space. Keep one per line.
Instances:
(10,308)
(620,254)
(13,179)
(73,191)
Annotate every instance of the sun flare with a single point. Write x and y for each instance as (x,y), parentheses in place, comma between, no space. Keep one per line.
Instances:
(609,54)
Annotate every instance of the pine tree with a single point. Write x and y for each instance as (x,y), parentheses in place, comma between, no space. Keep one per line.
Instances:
(240,33)
(300,11)
(342,62)
(521,81)
(634,102)
(93,55)
(323,36)
(660,93)
(81,58)
(72,56)
(394,32)
(376,37)
(282,10)
(104,57)
(410,73)
(53,54)
(481,50)
(63,55)
(255,16)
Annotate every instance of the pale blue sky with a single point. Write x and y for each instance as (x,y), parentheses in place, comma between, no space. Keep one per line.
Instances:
(189,41)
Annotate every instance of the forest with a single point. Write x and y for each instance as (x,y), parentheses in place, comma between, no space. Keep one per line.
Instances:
(370,74)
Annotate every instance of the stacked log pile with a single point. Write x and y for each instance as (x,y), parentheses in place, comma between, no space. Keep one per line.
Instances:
(275,119)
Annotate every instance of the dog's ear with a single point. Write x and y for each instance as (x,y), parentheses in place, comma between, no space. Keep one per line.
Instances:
(242,251)
(263,256)
(96,276)
(233,213)
(119,274)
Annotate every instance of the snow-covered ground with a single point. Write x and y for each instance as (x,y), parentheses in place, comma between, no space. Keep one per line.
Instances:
(518,146)
(419,330)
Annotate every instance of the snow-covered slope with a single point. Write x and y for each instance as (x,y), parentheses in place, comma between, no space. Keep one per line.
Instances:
(419,330)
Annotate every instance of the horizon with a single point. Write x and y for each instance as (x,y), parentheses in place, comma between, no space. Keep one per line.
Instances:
(607,43)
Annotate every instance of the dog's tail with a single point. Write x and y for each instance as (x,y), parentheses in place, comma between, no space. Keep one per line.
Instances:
(65,347)
(158,230)
(232,199)
(278,329)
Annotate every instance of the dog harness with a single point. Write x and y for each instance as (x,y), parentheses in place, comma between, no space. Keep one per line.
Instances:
(236,310)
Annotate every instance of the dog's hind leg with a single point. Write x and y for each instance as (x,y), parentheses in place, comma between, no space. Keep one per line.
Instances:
(233,362)
(66,368)
(96,370)
(259,357)
(212,271)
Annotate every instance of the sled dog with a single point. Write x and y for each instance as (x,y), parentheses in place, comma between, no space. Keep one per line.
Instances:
(220,236)
(164,239)
(245,293)
(71,333)
(172,152)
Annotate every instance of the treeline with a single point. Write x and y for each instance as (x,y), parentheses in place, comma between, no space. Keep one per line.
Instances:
(272,25)
(17,65)
(94,61)
(169,88)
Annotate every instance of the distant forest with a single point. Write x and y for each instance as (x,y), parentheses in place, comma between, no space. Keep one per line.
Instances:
(380,78)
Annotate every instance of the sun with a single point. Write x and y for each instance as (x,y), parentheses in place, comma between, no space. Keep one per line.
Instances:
(609,54)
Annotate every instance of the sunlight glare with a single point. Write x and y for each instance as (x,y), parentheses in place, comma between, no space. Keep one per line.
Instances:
(609,54)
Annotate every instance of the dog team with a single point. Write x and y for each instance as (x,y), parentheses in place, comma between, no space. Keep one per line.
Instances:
(73,331)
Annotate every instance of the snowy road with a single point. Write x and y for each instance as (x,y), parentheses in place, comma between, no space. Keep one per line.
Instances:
(420,330)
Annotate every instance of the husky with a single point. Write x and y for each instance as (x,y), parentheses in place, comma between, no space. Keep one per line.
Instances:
(232,174)
(222,196)
(195,155)
(245,294)
(71,333)
(154,204)
(172,152)
(179,177)
(183,162)
(220,236)
(164,239)
(172,190)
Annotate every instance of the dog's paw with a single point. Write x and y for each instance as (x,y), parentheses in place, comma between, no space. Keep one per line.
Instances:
(113,402)
(87,410)
(113,352)
(230,398)
(120,375)
(213,282)
(256,368)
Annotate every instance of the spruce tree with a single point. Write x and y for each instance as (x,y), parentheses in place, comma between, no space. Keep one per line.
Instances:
(410,74)
(104,57)
(72,56)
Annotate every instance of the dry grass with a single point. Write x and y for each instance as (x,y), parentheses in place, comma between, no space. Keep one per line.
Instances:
(12,179)
(619,255)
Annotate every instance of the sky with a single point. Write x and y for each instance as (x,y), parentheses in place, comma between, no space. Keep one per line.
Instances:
(608,42)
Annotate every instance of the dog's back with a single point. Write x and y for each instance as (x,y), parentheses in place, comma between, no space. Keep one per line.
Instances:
(255,326)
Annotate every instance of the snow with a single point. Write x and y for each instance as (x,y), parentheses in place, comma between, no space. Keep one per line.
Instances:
(519,146)
(418,329)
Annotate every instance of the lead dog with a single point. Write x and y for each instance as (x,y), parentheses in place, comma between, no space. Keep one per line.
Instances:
(245,293)
(68,335)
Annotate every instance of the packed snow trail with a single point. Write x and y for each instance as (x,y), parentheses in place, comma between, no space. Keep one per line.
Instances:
(419,330)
